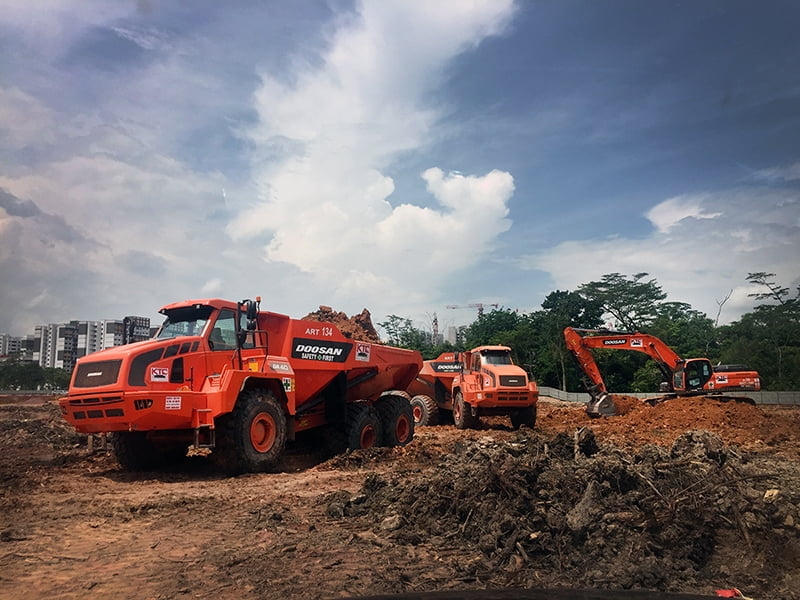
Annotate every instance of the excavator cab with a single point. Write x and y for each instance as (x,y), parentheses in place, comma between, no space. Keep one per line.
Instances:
(692,375)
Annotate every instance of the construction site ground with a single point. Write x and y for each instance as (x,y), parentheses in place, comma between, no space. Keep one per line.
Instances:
(688,496)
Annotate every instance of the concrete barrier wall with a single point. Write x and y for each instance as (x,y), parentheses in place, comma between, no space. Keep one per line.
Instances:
(772,398)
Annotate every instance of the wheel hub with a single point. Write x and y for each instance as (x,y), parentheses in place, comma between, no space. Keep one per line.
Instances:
(368,437)
(402,430)
(263,432)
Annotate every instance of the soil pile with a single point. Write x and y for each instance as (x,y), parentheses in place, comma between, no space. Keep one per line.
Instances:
(33,435)
(358,327)
(538,512)
(752,428)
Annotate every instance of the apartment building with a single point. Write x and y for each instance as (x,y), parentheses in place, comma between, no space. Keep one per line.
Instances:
(10,345)
(59,345)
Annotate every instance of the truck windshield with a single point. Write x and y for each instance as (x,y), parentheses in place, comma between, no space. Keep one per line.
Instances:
(184,321)
(496,357)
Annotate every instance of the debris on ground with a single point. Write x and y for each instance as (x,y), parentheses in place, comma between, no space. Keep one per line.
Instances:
(689,496)
(541,511)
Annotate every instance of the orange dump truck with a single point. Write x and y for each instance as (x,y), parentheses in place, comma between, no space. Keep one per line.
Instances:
(483,381)
(241,381)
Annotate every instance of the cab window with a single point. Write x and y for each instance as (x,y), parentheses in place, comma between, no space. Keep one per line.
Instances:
(223,333)
(497,357)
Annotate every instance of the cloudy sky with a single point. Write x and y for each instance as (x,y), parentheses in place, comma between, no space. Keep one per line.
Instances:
(395,155)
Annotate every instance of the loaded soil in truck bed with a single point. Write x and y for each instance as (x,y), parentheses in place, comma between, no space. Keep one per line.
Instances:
(688,496)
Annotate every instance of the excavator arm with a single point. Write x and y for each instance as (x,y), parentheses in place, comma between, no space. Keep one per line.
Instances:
(600,403)
(581,341)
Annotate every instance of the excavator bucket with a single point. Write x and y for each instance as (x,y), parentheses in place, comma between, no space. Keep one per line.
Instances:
(601,406)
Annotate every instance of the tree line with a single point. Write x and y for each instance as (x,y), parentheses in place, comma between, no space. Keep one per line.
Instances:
(19,374)
(766,339)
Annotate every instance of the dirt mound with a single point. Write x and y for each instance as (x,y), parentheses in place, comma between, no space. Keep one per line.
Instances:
(33,435)
(753,428)
(539,511)
(358,327)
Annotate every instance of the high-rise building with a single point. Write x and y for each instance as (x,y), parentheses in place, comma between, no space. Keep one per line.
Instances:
(60,345)
(55,345)
(137,329)
(10,345)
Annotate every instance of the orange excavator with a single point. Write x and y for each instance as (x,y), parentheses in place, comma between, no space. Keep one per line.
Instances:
(683,376)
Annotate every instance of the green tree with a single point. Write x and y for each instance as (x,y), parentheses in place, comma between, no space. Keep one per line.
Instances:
(632,302)
(493,327)
(560,309)
(768,338)
(503,327)
(19,374)
(56,379)
(401,332)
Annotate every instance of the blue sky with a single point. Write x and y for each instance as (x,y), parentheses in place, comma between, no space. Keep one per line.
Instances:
(399,156)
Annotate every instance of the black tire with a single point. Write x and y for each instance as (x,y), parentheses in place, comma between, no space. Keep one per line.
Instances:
(462,413)
(405,395)
(397,420)
(363,427)
(252,437)
(134,451)
(526,416)
(425,409)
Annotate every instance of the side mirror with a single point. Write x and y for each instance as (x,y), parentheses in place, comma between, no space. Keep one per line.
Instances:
(252,310)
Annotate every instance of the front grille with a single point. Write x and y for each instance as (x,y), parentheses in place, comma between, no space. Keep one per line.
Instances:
(512,396)
(513,380)
(96,408)
(101,400)
(95,374)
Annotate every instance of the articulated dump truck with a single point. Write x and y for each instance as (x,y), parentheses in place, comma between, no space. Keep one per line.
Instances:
(242,382)
(483,381)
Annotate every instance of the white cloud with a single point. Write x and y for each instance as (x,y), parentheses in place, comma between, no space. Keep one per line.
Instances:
(700,261)
(212,287)
(117,221)
(325,206)
(48,26)
(23,119)
(787,173)
(671,212)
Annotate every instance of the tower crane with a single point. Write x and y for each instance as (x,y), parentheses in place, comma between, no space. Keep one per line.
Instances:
(480,306)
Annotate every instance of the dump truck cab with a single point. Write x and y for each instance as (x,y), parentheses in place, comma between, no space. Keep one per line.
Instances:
(489,383)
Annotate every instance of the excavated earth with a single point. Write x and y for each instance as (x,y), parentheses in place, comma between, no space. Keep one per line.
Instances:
(358,327)
(687,496)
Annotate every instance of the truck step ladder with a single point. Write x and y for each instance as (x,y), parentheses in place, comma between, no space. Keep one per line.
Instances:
(201,420)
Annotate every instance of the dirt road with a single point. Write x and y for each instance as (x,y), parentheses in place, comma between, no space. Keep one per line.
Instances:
(631,502)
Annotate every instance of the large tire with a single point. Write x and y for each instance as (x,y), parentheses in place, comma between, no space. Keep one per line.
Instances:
(253,436)
(363,427)
(526,416)
(397,420)
(136,452)
(462,413)
(405,395)
(425,409)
